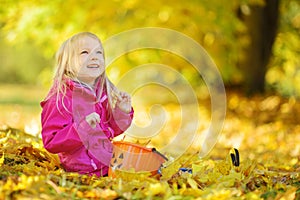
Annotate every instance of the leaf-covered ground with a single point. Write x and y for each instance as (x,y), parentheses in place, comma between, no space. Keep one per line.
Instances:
(265,129)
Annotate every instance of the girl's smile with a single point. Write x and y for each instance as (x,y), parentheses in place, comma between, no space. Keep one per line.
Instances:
(93,66)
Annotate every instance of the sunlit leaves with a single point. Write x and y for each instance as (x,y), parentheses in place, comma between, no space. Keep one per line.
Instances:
(264,129)
(2,160)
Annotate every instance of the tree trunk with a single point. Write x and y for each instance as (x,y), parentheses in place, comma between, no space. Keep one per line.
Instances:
(262,28)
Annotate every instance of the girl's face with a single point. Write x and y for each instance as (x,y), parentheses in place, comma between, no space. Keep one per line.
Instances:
(91,60)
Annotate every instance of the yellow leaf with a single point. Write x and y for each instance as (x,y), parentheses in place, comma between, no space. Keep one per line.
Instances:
(155,188)
(198,168)
(168,171)
(203,178)
(290,194)
(2,160)
(131,175)
(192,183)
(223,167)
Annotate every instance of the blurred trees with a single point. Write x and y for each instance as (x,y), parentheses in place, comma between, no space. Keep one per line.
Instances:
(261,22)
(238,42)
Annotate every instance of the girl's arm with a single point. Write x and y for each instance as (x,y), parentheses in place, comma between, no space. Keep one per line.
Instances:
(120,121)
(122,113)
(59,132)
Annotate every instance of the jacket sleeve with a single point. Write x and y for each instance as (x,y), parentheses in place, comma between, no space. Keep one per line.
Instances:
(120,121)
(59,132)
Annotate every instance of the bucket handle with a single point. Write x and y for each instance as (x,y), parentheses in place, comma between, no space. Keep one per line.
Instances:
(155,151)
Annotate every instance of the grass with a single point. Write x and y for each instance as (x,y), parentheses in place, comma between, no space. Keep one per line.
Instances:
(19,106)
(28,95)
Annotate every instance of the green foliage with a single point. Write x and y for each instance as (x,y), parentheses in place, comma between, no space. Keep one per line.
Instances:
(35,29)
(284,72)
(21,63)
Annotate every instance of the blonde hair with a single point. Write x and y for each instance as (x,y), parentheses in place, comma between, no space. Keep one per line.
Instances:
(67,66)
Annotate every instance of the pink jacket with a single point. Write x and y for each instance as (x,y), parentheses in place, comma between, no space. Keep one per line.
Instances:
(65,132)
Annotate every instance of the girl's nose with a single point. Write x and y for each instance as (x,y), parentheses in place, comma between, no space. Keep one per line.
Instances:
(94,56)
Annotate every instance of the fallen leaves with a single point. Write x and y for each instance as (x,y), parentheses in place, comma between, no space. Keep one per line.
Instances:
(266,166)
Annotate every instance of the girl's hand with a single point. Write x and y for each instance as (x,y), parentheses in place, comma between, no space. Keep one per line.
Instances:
(93,119)
(122,100)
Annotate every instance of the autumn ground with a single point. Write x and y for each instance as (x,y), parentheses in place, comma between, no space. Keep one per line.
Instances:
(265,130)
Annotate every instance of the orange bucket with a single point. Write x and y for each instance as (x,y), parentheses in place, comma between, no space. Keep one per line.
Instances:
(134,158)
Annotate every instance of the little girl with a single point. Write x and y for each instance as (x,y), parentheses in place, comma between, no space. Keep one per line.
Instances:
(83,110)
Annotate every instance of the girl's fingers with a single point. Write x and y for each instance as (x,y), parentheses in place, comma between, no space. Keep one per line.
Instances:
(97,117)
(120,97)
(122,100)
(126,97)
(93,119)
(126,107)
(116,95)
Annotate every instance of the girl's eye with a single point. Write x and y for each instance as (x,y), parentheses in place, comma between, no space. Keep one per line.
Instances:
(99,52)
(84,52)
